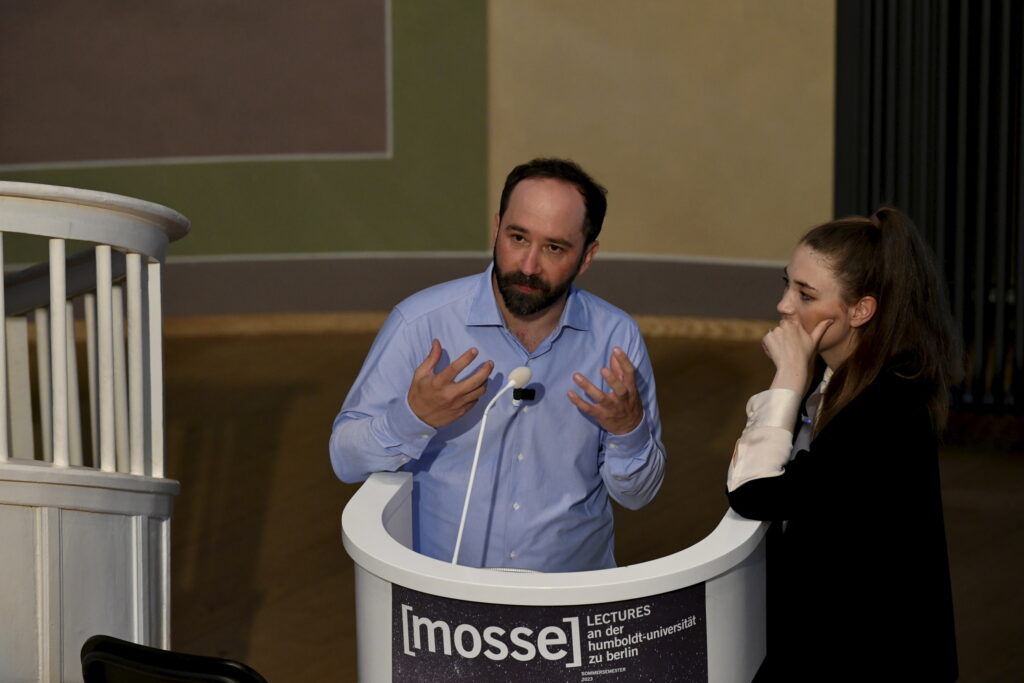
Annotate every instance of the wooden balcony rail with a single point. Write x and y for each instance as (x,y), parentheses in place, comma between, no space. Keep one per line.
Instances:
(125,408)
(84,527)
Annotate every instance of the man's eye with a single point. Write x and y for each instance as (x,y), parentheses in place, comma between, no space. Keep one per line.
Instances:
(806,297)
(554,248)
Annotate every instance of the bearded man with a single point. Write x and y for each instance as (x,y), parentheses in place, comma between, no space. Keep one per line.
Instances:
(584,429)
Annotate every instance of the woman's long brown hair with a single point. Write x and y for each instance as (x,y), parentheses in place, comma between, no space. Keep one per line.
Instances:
(911,332)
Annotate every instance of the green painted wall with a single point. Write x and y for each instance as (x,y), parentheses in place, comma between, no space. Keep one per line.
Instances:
(431,195)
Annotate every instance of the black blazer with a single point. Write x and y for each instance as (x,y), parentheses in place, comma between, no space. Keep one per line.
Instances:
(859,584)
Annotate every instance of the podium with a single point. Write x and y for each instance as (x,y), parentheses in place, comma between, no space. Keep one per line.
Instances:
(695,615)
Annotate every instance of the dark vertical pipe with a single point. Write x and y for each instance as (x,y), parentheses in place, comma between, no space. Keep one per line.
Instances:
(941,137)
(862,204)
(1001,88)
(878,103)
(960,186)
(890,104)
(981,176)
(923,135)
(852,115)
(1018,354)
(902,104)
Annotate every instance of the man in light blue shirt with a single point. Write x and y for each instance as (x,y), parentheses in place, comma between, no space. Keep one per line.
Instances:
(585,428)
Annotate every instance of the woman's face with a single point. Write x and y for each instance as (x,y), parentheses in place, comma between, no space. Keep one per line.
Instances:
(813,294)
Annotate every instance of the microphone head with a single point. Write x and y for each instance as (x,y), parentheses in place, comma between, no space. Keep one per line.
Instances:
(520,377)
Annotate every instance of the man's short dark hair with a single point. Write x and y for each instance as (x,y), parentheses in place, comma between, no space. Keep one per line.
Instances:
(563,169)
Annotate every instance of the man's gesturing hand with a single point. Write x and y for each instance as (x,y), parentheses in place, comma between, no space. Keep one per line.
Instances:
(438,399)
(619,411)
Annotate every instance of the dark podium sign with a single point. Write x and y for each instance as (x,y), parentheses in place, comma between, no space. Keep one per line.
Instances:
(656,638)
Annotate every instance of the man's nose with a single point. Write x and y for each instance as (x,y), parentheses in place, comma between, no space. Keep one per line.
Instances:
(531,262)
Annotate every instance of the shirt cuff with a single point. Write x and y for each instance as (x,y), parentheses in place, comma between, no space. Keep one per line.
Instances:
(630,443)
(399,428)
(773,408)
(765,446)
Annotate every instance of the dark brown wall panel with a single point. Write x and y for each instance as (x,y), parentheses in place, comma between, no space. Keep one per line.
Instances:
(111,79)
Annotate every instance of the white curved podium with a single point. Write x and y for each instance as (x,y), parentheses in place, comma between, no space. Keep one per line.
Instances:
(695,615)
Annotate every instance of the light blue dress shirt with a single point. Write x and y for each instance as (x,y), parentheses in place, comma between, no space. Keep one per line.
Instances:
(540,499)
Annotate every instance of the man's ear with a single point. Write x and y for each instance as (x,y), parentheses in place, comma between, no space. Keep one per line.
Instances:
(588,256)
(863,311)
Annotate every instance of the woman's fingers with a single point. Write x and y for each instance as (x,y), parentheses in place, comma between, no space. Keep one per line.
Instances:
(819,331)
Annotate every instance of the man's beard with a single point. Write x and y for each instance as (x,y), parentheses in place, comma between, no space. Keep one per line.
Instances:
(521,303)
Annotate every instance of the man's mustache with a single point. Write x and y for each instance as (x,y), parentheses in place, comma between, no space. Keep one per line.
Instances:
(521,278)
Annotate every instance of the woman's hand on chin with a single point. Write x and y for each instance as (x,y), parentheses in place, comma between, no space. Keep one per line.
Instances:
(793,350)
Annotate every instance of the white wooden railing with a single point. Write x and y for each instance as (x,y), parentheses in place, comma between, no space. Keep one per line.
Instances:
(84,527)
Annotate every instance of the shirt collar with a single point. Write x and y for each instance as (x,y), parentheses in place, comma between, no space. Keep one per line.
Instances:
(825,379)
(484,308)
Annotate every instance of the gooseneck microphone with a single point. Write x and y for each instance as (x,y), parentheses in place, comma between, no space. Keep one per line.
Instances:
(517,379)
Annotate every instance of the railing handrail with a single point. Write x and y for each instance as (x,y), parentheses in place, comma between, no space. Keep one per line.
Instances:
(119,221)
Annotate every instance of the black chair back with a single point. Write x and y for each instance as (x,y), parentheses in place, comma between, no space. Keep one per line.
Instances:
(111,660)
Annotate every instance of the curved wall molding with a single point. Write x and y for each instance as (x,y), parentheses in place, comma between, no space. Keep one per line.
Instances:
(372,282)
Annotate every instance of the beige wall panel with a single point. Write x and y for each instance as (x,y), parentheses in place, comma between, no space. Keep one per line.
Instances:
(710,121)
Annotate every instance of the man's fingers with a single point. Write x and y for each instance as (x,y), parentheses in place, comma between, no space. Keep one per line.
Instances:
(584,406)
(458,365)
(477,380)
(595,394)
(464,402)
(617,385)
(622,366)
(430,362)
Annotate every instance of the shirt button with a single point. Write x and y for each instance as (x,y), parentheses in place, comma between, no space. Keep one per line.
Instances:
(515,506)
(404,459)
(526,409)
(424,436)
(519,457)
(512,554)
(611,445)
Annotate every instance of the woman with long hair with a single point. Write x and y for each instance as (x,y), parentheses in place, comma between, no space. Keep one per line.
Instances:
(842,450)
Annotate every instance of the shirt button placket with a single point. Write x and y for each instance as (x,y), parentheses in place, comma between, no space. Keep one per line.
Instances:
(515,507)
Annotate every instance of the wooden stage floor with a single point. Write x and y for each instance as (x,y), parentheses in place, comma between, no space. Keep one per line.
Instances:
(259,572)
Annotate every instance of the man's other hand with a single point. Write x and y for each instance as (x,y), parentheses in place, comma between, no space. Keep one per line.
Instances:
(438,399)
(620,410)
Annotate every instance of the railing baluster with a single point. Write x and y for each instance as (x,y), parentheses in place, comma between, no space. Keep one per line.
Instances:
(74,407)
(4,448)
(90,361)
(45,382)
(136,389)
(120,383)
(105,360)
(156,372)
(58,352)
(19,388)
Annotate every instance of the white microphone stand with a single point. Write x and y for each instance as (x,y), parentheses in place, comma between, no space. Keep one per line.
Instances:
(518,378)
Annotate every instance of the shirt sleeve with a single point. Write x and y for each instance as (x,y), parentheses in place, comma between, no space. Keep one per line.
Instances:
(634,463)
(765,445)
(376,429)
